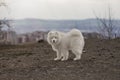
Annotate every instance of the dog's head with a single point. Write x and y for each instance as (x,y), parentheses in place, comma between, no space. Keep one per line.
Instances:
(53,37)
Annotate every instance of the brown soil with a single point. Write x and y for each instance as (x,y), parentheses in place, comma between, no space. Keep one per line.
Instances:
(101,61)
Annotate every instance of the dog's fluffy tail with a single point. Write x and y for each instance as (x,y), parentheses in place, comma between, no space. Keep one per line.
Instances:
(75,32)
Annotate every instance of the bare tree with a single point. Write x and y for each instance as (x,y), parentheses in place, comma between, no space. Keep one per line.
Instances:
(106,25)
(4,21)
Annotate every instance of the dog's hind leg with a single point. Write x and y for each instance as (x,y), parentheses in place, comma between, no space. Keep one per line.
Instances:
(77,53)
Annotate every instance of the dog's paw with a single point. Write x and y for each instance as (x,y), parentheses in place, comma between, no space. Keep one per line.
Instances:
(63,59)
(55,59)
(75,59)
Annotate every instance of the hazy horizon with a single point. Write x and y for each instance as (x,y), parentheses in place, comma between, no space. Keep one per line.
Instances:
(30,25)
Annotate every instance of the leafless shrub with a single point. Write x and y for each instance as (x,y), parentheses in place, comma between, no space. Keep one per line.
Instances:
(106,25)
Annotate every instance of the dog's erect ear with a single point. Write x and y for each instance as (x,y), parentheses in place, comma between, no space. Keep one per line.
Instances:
(49,33)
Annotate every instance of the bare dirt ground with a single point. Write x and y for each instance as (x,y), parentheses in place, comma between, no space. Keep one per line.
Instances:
(101,61)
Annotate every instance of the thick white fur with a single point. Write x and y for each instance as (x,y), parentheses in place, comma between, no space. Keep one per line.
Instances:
(63,42)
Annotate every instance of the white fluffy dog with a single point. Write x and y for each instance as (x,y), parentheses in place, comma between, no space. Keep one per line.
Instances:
(63,42)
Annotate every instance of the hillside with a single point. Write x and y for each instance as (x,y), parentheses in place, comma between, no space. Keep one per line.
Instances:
(30,25)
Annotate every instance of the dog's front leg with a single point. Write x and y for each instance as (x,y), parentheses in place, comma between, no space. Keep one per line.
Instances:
(58,56)
(65,55)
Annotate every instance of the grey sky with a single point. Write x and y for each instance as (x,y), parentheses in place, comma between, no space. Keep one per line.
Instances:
(59,9)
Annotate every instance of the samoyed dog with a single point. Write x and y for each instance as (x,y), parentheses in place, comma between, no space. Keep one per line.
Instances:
(63,42)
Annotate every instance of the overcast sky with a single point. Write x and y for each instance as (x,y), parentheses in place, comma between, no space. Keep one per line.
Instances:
(59,9)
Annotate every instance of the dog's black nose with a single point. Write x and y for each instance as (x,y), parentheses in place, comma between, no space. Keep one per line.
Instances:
(53,41)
